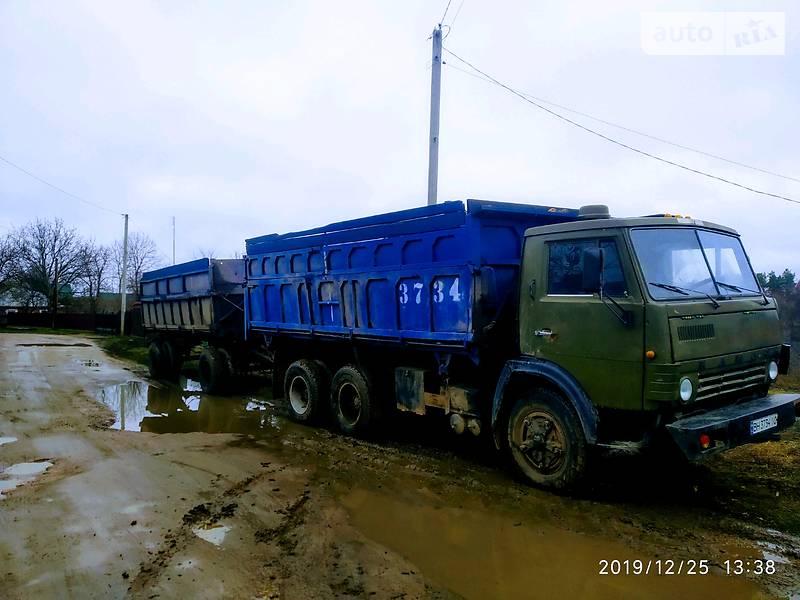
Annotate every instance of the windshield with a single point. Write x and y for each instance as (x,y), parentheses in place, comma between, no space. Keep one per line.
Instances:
(683,262)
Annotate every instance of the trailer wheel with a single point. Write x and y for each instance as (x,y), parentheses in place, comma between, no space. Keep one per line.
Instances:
(546,440)
(172,359)
(155,359)
(305,389)
(216,370)
(352,404)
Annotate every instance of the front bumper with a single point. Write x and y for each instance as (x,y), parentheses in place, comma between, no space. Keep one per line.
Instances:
(729,426)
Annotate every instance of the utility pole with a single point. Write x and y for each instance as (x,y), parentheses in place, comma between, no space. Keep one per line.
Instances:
(436,88)
(123,285)
(173,240)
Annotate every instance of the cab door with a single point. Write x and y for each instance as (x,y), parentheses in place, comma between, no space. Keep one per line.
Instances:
(579,331)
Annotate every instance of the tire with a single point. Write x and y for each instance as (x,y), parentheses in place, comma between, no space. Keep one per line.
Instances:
(173,359)
(155,360)
(352,402)
(216,370)
(305,388)
(546,441)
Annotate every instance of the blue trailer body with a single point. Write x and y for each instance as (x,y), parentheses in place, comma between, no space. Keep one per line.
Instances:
(203,296)
(433,276)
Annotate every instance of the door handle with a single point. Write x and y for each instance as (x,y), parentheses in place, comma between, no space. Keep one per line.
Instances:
(543,333)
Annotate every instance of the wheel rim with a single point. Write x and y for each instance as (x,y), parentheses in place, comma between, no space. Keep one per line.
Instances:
(349,402)
(299,395)
(540,439)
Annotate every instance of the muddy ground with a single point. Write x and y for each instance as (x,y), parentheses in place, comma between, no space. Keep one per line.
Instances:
(114,486)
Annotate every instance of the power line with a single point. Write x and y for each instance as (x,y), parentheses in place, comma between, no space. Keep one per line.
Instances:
(55,187)
(446,8)
(612,140)
(458,12)
(631,130)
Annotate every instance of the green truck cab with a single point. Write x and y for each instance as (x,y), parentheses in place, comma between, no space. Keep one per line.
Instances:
(630,327)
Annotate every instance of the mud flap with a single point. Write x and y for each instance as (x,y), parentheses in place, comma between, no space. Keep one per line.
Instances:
(730,426)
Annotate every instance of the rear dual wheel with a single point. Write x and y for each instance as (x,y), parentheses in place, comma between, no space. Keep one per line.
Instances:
(348,397)
(305,388)
(352,400)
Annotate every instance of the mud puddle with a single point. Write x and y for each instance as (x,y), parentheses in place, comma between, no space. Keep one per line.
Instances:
(480,554)
(184,408)
(56,345)
(92,364)
(213,534)
(20,474)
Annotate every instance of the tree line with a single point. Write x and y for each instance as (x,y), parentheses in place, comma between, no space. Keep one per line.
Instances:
(46,264)
(785,288)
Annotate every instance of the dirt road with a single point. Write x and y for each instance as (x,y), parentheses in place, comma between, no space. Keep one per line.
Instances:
(117,487)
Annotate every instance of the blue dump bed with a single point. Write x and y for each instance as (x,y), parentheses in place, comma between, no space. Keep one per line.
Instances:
(435,275)
(200,296)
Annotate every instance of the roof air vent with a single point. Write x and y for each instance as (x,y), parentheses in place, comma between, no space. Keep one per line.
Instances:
(594,211)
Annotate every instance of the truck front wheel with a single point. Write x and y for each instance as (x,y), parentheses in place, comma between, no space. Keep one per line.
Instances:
(216,370)
(305,389)
(351,400)
(546,440)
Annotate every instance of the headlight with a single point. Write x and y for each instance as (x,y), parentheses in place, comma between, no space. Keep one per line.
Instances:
(772,370)
(686,389)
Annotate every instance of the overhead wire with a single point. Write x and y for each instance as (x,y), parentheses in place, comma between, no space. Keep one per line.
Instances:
(55,187)
(631,130)
(446,8)
(685,167)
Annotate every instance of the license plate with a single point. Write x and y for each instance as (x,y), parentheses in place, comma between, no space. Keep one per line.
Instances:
(764,423)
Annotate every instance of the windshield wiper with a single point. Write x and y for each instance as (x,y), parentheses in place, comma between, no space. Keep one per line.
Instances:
(671,288)
(739,288)
(684,291)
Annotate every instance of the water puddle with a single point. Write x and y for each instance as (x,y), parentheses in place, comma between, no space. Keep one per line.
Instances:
(774,552)
(184,408)
(7,440)
(213,534)
(20,474)
(87,363)
(479,554)
(55,345)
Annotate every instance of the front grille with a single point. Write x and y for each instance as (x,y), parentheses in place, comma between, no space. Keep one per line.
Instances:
(690,333)
(726,382)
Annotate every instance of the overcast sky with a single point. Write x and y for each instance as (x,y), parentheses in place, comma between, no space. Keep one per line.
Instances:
(247,118)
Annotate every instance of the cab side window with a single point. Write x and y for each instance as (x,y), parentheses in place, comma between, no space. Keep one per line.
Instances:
(565,267)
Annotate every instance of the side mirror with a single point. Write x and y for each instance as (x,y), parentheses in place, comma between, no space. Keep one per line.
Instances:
(592,270)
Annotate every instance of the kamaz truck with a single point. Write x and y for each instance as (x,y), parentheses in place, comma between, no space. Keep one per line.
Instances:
(557,331)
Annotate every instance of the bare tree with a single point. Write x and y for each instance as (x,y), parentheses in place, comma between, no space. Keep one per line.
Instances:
(96,269)
(50,259)
(142,256)
(204,252)
(9,252)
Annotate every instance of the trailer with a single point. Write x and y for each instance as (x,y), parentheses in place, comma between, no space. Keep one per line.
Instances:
(197,302)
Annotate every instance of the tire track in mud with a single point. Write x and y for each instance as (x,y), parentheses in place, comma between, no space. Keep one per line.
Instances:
(175,541)
(293,517)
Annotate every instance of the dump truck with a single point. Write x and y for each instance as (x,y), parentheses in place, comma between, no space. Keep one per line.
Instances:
(557,331)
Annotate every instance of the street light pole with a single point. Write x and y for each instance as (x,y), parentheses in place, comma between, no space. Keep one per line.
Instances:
(123,282)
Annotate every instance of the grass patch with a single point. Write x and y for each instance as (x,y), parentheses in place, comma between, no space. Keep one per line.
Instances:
(762,481)
(127,347)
